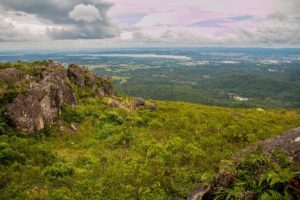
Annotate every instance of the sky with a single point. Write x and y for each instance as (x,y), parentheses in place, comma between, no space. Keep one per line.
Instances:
(149,23)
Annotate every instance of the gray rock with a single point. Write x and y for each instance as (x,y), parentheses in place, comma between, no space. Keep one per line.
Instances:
(25,113)
(107,86)
(53,91)
(138,102)
(42,104)
(100,92)
(288,142)
(49,89)
(113,102)
(82,77)
(91,80)
(12,76)
(73,127)
(199,193)
(77,74)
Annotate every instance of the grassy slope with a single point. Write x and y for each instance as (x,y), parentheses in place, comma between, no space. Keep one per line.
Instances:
(131,155)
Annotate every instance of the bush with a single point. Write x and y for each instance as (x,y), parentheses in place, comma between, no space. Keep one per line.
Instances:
(120,140)
(58,170)
(60,194)
(9,156)
(155,124)
(261,176)
(114,117)
(106,131)
(70,114)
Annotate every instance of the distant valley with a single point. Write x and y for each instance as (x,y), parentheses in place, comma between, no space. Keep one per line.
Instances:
(215,76)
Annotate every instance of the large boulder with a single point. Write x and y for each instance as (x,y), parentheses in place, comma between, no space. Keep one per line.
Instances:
(13,76)
(138,102)
(107,86)
(48,90)
(288,142)
(84,78)
(199,193)
(53,91)
(77,74)
(25,113)
(42,103)
(91,80)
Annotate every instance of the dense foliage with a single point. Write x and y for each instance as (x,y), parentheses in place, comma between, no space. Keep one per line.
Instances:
(257,176)
(117,154)
(213,84)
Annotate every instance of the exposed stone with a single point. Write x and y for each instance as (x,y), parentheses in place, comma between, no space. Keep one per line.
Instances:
(113,102)
(73,127)
(53,91)
(107,86)
(100,92)
(12,76)
(248,195)
(41,105)
(82,77)
(48,90)
(91,80)
(199,193)
(25,113)
(138,102)
(286,142)
(77,74)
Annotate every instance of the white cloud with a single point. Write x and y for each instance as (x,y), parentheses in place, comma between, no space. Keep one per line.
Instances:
(61,20)
(126,35)
(17,31)
(87,13)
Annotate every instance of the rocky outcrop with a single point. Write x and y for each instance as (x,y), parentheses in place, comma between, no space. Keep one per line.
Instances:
(49,89)
(200,192)
(77,74)
(83,78)
(287,142)
(53,91)
(107,86)
(138,102)
(25,113)
(13,76)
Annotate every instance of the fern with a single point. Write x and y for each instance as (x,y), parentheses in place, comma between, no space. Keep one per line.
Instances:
(273,195)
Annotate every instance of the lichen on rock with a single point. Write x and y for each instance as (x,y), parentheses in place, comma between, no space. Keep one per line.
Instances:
(47,91)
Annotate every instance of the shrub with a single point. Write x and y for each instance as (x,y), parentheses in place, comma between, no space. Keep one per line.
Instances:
(106,131)
(261,176)
(9,156)
(58,170)
(114,117)
(155,124)
(120,140)
(70,114)
(60,194)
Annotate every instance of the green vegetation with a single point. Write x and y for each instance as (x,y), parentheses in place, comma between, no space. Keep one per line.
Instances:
(119,153)
(132,155)
(264,85)
(259,177)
